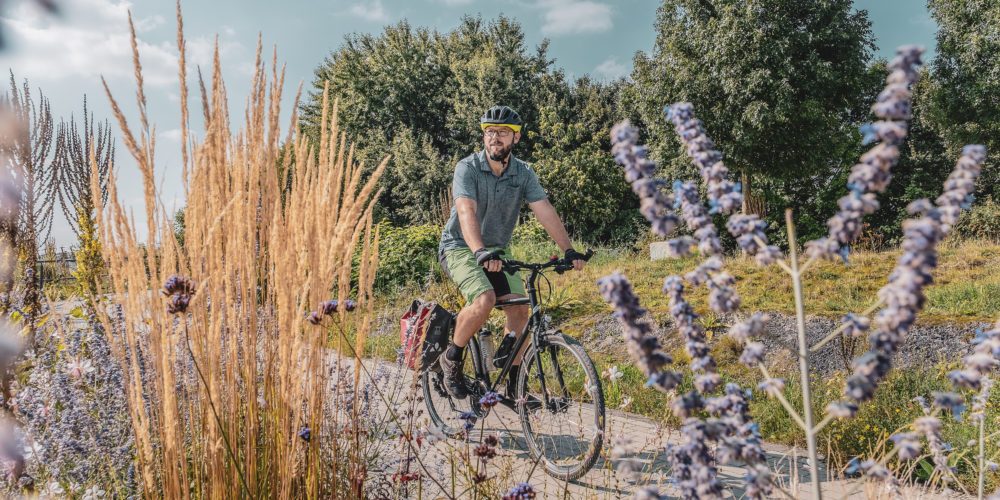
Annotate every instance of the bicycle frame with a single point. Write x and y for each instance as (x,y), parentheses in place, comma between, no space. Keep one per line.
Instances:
(482,372)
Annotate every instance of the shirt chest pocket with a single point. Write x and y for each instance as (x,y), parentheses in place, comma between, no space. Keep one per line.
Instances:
(510,191)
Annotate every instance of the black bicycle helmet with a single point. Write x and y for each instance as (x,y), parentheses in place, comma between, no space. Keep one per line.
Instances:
(501,115)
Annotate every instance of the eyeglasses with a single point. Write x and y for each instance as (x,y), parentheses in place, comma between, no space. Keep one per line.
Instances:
(502,133)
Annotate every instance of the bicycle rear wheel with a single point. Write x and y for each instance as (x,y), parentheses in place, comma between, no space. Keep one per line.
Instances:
(565,434)
(445,411)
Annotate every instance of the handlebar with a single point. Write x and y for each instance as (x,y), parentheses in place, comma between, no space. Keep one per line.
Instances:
(560,265)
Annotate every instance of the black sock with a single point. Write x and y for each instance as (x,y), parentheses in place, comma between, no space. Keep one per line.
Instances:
(454,352)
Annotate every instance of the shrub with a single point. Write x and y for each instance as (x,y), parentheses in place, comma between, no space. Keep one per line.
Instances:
(529,230)
(407,255)
(982,222)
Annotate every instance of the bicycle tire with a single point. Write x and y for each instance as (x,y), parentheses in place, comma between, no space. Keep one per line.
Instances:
(541,446)
(443,410)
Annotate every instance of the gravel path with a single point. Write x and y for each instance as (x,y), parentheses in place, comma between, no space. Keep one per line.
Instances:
(514,463)
(926,344)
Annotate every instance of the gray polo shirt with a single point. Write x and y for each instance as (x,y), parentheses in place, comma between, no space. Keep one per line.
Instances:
(498,199)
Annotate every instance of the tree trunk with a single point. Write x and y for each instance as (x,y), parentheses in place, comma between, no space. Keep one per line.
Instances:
(752,203)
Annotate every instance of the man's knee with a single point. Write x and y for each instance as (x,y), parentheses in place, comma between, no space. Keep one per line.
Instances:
(484,301)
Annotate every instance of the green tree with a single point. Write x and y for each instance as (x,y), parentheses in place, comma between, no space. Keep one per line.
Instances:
(417,95)
(572,159)
(777,83)
(964,102)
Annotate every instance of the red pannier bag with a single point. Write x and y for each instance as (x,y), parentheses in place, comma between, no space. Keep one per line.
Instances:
(424,332)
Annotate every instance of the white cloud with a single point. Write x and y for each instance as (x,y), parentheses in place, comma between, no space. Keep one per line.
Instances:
(611,69)
(149,23)
(370,10)
(91,39)
(173,134)
(455,3)
(564,17)
(88,40)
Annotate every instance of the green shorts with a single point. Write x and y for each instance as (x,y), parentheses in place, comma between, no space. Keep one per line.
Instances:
(473,280)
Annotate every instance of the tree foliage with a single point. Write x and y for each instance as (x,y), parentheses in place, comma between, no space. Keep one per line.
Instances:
(572,162)
(777,82)
(418,95)
(965,93)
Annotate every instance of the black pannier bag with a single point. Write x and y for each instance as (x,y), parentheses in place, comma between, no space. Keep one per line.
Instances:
(426,325)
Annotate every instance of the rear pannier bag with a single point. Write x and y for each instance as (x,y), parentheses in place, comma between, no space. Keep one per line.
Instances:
(424,332)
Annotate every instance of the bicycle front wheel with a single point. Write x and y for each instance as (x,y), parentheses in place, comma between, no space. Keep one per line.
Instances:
(561,405)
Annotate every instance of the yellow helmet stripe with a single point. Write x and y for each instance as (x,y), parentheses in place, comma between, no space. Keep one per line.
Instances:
(515,128)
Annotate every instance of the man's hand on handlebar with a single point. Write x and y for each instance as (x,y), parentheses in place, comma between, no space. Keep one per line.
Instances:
(578,259)
(490,260)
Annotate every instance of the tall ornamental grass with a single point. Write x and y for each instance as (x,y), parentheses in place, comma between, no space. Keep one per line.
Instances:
(225,375)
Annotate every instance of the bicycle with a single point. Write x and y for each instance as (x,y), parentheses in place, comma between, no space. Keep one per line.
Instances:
(555,371)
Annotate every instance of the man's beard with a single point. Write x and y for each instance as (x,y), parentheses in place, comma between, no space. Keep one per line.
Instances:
(502,155)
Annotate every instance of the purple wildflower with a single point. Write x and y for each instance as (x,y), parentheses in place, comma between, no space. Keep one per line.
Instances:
(691,461)
(179,290)
(350,305)
(759,481)
(878,472)
(856,325)
(640,340)
(873,174)
(694,336)
(984,359)
(748,230)
(742,442)
(469,418)
(960,185)
(842,409)
(485,451)
(703,273)
(654,203)
(697,219)
(489,400)
(930,427)
(328,307)
(951,402)
(680,247)
(305,434)
(980,400)
(908,444)
(904,294)
(521,491)
(750,328)
(723,195)
(753,354)
(686,405)
(314,317)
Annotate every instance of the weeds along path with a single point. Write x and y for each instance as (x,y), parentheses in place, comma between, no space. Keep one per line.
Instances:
(447,459)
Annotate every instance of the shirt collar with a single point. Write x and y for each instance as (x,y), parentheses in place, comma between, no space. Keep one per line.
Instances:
(512,167)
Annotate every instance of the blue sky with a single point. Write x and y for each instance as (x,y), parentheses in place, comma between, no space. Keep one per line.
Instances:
(66,56)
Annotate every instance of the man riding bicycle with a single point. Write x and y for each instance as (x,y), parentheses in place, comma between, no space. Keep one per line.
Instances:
(489,188)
